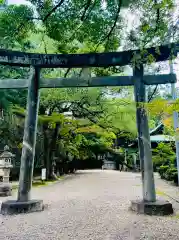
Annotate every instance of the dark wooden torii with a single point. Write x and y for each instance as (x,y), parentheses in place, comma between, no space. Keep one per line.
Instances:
(15,58)
(138,80)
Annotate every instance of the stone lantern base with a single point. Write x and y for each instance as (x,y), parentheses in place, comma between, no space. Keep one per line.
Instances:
(160,207)
(11,207)
(5,189)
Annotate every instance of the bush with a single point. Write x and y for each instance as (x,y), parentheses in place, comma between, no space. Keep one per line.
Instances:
(172,173)
(163,155)
(175,177)
(162,170)
(168,173)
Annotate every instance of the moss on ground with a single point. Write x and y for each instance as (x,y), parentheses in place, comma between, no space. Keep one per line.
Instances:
(160,193)
(175,216)
(40,183)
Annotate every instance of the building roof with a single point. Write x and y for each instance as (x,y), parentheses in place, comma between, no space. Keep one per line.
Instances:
(162,138)
(157,130)
(156,135)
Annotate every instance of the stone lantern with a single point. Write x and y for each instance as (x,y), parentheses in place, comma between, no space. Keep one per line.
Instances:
(5,167)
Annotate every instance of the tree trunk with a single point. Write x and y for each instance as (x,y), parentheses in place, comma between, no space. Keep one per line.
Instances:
(52,150)
(46,151)
(121,167)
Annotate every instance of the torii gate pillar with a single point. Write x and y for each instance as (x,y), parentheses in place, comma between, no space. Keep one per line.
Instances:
(148,204)
(24,202)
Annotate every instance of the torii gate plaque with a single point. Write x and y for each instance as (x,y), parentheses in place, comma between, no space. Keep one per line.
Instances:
(24,203)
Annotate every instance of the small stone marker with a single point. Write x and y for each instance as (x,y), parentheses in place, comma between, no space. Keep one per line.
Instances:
(43,174)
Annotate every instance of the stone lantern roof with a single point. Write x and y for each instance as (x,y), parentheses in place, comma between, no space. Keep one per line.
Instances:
(6,158)
(6,153)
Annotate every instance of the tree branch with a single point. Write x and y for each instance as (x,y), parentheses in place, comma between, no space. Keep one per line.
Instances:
(86,9)
(157,16)
(84,19)
(113,27)
(67,71)
(116,19)
(45,46)
(151,96)
(53,10)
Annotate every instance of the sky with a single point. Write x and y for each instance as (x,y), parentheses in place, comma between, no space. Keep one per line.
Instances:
(16,1)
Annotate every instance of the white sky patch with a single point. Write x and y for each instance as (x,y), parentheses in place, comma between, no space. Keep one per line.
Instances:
(17,2)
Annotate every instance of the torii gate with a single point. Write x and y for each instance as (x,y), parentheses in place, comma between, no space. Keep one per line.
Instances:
(24,203)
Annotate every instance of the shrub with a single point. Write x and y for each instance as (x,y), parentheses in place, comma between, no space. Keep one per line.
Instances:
(175,177)
(163,155)
(168,173)
(162,170)
(172,172)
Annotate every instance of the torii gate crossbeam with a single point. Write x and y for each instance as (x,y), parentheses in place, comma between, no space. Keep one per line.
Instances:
(92,82)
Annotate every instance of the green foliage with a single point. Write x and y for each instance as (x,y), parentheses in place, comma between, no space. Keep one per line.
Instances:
(169,173)
(119,115)
(10,97)
(163,155)
(11,131)
(154,23)
(2,2)
(97,140)
(162,170)
(41,43)
(164,162)
(15,25)
(80,22)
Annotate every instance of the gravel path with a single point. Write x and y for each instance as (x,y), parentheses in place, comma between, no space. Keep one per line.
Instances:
(91,205)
